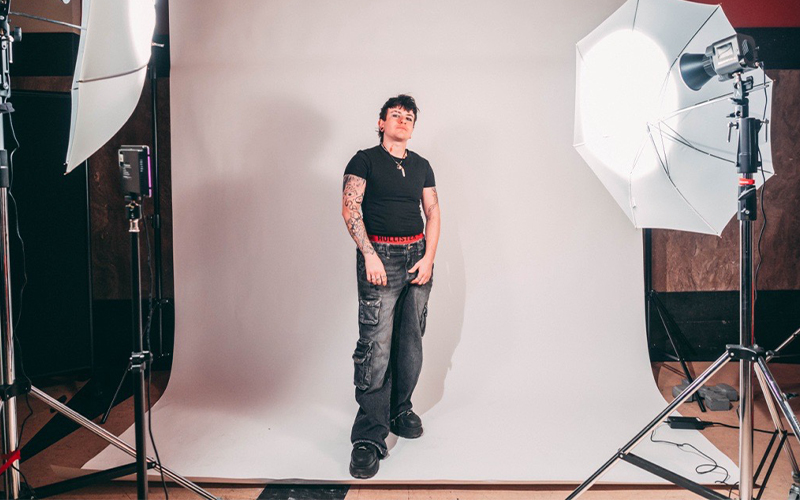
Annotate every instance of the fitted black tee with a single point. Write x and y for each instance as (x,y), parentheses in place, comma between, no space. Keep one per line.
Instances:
(391,203)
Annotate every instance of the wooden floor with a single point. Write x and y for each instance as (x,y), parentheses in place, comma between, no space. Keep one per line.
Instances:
(74,450)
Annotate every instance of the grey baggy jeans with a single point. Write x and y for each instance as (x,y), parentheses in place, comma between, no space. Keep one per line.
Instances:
(388,355)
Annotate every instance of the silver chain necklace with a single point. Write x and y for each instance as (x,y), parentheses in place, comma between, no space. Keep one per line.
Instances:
(398,163)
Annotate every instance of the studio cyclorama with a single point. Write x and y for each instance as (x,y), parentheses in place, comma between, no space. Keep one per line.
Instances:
(375,250)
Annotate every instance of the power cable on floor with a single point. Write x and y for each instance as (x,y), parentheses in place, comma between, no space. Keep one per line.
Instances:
(763,431)
(702,469)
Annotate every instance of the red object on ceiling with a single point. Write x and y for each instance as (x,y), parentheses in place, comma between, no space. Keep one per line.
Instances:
(760,13)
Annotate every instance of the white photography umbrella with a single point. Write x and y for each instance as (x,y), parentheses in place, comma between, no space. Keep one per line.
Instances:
(113,53)
(660,148)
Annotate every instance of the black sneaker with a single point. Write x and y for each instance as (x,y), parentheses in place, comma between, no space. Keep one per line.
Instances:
(364,461)
(407,425)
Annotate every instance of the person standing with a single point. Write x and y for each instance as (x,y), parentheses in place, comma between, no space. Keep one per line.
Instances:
(381,196)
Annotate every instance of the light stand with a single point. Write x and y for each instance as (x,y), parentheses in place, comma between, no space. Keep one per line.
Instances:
(9,384)
(747,164)
(751,357)
(139,357)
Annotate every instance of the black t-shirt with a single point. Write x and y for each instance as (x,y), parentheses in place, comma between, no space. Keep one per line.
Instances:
(391,203)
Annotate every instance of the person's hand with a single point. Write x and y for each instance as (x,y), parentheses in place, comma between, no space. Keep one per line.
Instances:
(424,269)
(376,274)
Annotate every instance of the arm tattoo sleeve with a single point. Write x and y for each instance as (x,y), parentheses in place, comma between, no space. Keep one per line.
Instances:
(434,204)
(352,195)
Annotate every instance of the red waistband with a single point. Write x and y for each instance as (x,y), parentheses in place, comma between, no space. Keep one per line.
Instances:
(396,240)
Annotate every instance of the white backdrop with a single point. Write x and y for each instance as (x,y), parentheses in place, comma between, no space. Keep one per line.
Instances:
(536,364)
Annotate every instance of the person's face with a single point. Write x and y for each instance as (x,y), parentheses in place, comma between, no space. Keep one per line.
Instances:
(399,124)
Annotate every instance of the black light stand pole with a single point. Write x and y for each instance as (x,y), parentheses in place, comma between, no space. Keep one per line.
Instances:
(157,258)
(139,358)
(9,412)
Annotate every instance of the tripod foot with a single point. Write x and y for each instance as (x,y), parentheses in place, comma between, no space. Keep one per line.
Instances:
(794,492)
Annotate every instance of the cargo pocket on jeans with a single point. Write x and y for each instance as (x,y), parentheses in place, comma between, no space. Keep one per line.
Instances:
(369,311)
(362,358)
(423,320)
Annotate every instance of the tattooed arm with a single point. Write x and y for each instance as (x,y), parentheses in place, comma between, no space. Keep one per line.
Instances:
(352,195)
(430,205)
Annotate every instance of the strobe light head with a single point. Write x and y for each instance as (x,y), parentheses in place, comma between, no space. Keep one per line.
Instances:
(725,58)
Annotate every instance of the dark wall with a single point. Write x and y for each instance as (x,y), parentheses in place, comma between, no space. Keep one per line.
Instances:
(49,212)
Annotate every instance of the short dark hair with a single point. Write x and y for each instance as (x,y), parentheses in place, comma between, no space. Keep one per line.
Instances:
(404,101)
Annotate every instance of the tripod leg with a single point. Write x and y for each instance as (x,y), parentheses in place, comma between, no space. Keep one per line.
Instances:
(784,344)
(116,393)
(666,322)
(682,397)
(776,419)
(115,441)
(780,398)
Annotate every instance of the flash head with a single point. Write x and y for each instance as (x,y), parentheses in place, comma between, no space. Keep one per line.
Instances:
(731,55)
